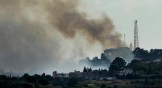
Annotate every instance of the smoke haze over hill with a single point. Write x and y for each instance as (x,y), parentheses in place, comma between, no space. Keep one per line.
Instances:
(38,36)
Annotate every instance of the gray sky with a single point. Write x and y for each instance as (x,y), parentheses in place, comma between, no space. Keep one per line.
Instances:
(124,12)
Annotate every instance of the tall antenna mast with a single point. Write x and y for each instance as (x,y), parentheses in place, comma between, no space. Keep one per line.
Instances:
(131,47)
(124,41)
(136,41)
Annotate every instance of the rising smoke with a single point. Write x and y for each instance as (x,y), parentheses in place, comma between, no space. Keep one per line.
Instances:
(48,34)
(69,21)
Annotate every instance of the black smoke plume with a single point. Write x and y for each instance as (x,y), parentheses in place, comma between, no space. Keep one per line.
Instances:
(42,35)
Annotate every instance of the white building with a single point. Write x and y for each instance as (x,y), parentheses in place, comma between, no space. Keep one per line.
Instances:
(125,72)
(60,75)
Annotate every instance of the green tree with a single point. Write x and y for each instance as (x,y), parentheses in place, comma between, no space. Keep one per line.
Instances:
(43,81)
(28,78)
(135,65)
(117,65)
(103,86)
(85,69)
(72,82)
(160,65)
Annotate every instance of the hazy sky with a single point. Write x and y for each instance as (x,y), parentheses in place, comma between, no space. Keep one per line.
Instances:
(124,12)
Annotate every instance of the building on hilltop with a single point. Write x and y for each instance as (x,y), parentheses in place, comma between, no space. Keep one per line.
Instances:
(60,75)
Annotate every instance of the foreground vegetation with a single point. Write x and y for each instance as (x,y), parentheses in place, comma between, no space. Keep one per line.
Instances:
(144,73)
(145,82)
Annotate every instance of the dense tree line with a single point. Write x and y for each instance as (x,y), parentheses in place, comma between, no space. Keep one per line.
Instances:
(26,81)
(146,55)
(139,68)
